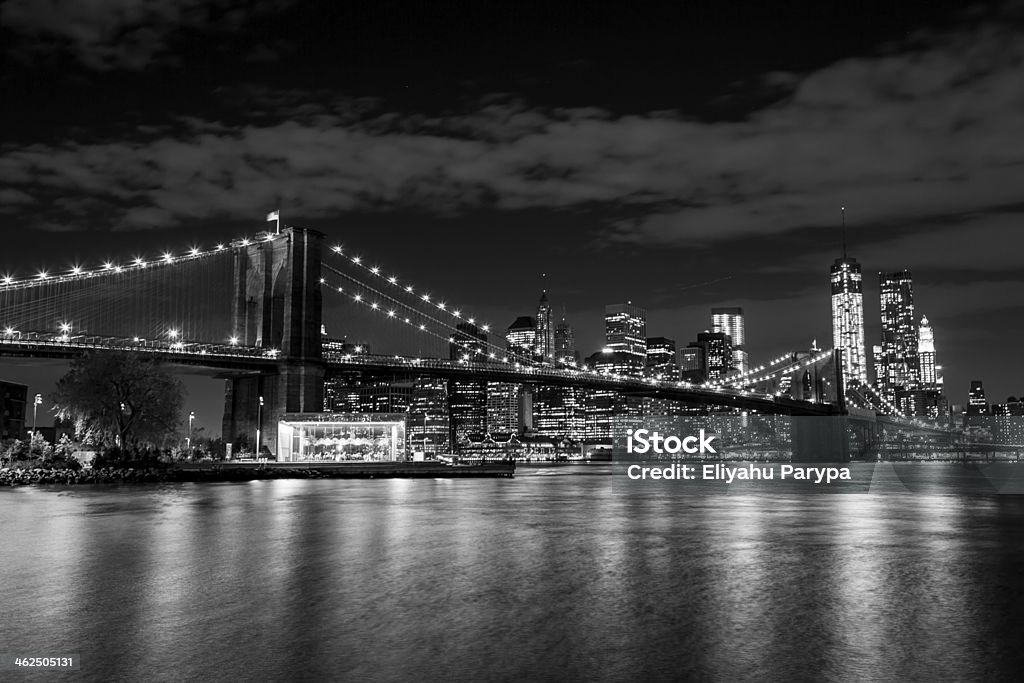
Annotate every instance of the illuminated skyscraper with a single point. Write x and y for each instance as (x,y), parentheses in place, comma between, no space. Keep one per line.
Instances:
(848,318)
(428,427)
(899,364)
(503,408)
(625,329)
(661,358)
(521,337)
(730,321)
(926,354)
(716,354)
(545,343)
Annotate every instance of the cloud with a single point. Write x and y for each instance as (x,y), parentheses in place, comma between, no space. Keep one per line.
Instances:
(121,34)
(933,128)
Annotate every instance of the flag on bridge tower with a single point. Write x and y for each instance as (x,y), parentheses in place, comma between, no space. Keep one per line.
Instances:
(275,216)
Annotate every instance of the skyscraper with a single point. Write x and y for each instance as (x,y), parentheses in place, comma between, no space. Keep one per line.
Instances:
(661,358)
(730,321)
(545,344)
(848,318)
(926,354)
(428,428)
(565,342)
(521,337)
(716,354)
(976,403)
(625,329)
(899,365)
(503,408)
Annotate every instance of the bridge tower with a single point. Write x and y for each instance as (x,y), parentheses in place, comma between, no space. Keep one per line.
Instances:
(276,304)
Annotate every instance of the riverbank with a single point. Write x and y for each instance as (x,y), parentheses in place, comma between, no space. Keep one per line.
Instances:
(249,472)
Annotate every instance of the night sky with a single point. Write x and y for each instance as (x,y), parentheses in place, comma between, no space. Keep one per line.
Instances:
(681,158)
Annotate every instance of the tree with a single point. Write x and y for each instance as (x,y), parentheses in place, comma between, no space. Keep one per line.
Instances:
(127,399)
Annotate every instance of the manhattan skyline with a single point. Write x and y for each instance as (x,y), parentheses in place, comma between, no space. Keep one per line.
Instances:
(607,163)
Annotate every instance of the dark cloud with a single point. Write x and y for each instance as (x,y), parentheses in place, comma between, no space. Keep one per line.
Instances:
(933,128)
(121,34)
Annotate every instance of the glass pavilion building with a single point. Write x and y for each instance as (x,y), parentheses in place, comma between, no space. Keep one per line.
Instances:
(341,437)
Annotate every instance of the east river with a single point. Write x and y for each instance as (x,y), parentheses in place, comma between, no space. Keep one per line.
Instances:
(554,575)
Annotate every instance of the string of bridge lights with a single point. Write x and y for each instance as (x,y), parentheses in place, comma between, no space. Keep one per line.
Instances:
(736,379)
(884,401)
(358,298)
(9,282)
(388,311)
(409,289)
(784,370)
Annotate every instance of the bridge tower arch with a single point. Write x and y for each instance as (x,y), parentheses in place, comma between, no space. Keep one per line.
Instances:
(277,306)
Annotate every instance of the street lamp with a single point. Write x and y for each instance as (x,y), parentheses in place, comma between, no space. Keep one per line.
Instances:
(188,439)
(35,414)
(259,425)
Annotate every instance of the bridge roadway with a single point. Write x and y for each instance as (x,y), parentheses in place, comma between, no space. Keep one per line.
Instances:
(251,359)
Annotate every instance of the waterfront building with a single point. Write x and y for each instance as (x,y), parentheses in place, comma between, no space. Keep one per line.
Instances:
(429,422)
(559,412)
(341,437)
(503,408)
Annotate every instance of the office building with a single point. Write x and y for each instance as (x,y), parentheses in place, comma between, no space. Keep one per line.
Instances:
(976,403)
(428,423)
(545,339)
(730,321)
(848,318)
(716,354)
(565,343)
(625,327)
(899,364)
(521,337)
(661,358)
(503,408)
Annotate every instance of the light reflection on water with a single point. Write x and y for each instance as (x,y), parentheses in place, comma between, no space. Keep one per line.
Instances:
(554,574)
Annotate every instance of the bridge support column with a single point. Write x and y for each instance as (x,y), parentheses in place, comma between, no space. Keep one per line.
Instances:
(820,439)
(277,305)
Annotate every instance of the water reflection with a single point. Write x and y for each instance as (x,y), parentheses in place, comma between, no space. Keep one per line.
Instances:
(509,580)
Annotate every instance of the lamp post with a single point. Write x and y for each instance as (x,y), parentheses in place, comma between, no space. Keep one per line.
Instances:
(188,439)
(35,413)
(259,425)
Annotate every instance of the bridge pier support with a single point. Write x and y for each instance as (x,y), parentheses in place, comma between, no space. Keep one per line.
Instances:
(277,305)
(820,439)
